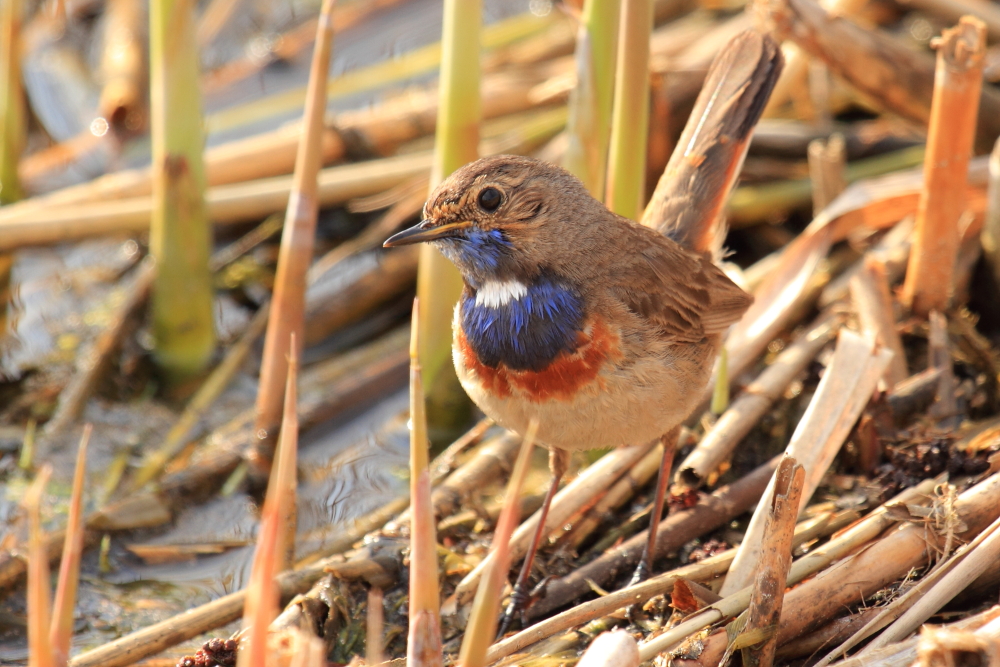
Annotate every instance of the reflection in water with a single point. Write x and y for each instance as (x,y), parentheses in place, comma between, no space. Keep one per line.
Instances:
(346,469)
(57,296)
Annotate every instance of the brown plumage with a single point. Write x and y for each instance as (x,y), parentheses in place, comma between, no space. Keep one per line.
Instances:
(602,329)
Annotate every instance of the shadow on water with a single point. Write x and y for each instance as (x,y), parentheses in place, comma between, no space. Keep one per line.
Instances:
(347,468)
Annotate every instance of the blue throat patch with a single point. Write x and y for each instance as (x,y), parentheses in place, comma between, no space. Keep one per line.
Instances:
(480,250)
(526,333)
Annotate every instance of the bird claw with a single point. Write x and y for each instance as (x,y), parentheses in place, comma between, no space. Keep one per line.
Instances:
(520,602)
(514,607)
(641,573)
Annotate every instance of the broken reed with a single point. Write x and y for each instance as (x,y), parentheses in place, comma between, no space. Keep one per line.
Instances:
(123,65)
(456,144)
(276,538)
(957,84)
(482,627)
(50,624)
(180,236)
(626,183)
(297,241)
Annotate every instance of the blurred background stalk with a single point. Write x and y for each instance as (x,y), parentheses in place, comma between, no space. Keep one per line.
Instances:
(456,144)
(630,127)
(287,318)
(591,101)
(12,129)
(180,237)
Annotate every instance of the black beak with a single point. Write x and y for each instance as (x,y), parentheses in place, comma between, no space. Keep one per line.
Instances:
(426,231)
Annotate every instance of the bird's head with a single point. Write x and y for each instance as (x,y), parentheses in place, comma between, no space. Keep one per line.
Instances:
(505,217)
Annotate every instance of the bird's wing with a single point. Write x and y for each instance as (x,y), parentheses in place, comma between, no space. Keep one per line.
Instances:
(683,293)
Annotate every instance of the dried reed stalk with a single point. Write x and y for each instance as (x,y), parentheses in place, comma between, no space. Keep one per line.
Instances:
(482,626)
(61,633)
(375,627)
(841,545)
(38,595)
(639,594)
(238,202)
(776,557)
(904,654)
(920,600)
(899,78)
(754,401)
(568,502)
(957,85)
(295,255)
(827,161)
(873,303)
(423,645)
(939,356)
(674,531)
(123,67)
(862,574)
(843,392)
(887,560)
(274,540)
(626,487)
(991,225)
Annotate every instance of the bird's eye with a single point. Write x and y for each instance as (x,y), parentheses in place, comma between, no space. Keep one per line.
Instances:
(489,199)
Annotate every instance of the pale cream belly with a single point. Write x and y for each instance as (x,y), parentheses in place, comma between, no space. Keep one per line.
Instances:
(623,407)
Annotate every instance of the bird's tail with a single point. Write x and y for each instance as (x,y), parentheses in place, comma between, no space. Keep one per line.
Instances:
(688,202)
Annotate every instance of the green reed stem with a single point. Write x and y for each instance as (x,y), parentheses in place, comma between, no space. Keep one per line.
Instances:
(591,101)
(12,130)
(180,237)
(630,125)
(457,143)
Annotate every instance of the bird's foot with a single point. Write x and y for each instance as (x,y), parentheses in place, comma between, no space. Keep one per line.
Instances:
(640,575)
(520,601)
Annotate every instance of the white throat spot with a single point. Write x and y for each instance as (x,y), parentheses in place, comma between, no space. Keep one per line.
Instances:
(497,293)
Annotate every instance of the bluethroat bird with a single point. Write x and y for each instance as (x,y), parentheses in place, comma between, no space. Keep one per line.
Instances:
(603,329)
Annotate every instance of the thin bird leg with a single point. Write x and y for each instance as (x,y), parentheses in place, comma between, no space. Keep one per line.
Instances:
(662,479)
(558,463)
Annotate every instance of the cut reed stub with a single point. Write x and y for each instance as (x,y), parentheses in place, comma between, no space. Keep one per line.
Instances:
(957,85)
